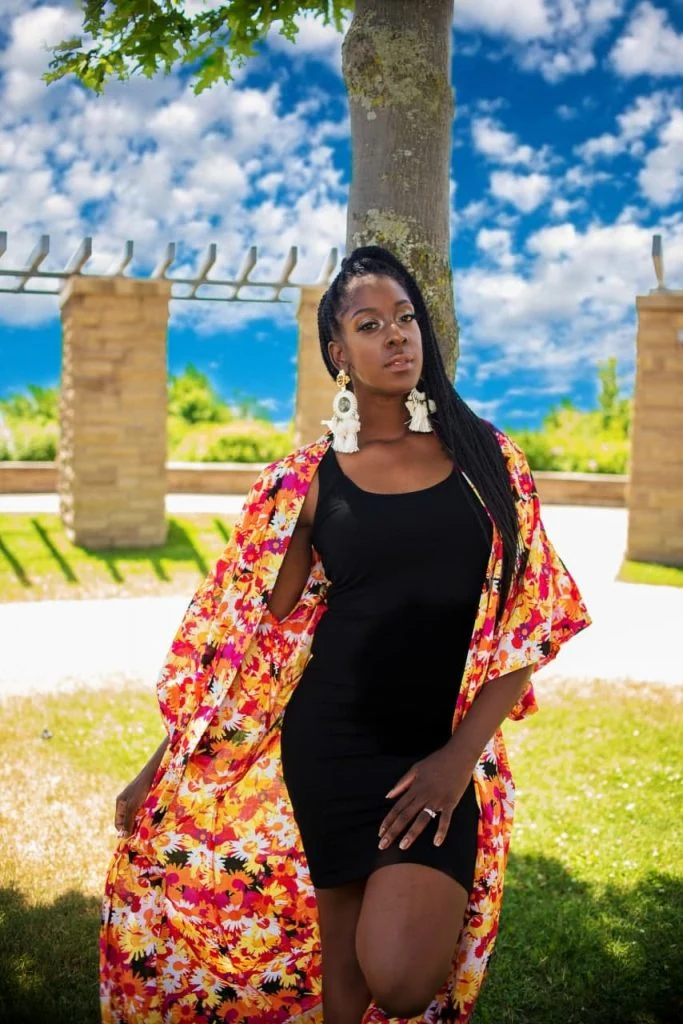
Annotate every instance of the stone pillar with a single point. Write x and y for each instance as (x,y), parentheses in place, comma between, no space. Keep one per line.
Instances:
(112,455)
(655,487)
(315,389)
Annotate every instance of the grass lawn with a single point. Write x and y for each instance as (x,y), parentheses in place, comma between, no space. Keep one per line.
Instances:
(651,572)
(38,562)
(590,930)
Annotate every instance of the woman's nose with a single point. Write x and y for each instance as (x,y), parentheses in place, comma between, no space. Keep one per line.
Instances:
(395,333)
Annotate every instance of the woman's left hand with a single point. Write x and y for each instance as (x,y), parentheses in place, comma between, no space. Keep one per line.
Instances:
(437,782)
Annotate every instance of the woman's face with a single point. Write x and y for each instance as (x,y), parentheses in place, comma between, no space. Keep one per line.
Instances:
(378,342)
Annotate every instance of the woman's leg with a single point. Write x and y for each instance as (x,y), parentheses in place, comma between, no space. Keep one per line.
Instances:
(407,932)
(346,996)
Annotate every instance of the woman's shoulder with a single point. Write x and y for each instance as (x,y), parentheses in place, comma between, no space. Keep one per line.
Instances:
(300,463)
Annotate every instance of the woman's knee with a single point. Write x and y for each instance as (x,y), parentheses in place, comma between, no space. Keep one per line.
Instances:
(402,996)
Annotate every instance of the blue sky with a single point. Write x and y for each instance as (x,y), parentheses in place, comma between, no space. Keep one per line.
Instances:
(567,157)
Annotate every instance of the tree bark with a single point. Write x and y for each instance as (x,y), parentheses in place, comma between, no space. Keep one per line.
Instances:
(396,61)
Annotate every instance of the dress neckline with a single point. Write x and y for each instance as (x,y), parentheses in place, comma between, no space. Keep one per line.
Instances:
(390,494)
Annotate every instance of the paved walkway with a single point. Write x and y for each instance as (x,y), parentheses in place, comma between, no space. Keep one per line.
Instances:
(52,645)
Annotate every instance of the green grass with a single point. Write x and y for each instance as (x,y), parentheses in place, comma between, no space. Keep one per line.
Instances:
(652,573)
(590,929)
(38,562)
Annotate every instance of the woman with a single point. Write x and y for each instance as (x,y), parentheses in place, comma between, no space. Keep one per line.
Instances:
(330,813)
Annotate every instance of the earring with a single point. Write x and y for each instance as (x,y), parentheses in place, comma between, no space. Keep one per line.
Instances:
(345,423)
(419,409)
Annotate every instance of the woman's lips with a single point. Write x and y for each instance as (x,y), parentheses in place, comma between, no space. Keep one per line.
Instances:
(398,365)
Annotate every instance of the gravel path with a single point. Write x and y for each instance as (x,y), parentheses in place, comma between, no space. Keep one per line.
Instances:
(57,645)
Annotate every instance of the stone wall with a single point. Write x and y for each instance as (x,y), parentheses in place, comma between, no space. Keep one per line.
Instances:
(655,491)
(112,456)
(602,489)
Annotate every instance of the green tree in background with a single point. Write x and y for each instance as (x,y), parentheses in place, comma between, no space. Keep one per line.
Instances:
(577,440)
(396,62)
(193,398)
(41,405)
(616,411)
(203,426)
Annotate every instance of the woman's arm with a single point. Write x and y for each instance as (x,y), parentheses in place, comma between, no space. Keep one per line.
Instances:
(296,565)
(129,799)
(489,710)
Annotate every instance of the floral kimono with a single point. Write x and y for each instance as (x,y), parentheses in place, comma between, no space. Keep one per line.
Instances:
(209,912)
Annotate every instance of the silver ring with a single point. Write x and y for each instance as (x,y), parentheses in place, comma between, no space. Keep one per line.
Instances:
(429,811)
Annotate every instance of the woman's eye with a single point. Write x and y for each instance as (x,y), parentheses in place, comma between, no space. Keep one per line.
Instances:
(410,316)
(368,323)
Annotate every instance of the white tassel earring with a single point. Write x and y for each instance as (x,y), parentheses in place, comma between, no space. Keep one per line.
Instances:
(419,409)
(345,423)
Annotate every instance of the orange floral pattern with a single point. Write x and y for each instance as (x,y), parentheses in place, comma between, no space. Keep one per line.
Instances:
(209,912)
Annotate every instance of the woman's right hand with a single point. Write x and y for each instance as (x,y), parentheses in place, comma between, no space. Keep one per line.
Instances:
(134,795)
(129,800)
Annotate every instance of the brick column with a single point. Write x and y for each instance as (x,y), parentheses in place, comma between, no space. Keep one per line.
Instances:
(655,487)
(112,455)
(315,389)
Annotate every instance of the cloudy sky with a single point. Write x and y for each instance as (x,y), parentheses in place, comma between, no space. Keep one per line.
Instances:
(567,157)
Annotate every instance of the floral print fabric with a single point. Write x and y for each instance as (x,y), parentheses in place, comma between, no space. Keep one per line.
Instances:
(209,913)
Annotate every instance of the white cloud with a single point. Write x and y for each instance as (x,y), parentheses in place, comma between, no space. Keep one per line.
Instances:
(553,242)
(643,115)
(554,37)
(634,123)
(570,305)
(606,145)
(497,244)
(650,45)
(502,146)
(314,40)
(151,161)
(662,170)
(520,21)
(525,191)
(661,177)
(560,207)
(26,57)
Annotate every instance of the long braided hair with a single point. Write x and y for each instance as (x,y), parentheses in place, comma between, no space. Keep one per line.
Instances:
(468,439)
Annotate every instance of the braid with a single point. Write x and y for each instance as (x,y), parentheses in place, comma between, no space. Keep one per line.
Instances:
(470,440)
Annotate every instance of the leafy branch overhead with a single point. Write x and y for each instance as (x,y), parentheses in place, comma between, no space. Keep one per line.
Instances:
(122,38)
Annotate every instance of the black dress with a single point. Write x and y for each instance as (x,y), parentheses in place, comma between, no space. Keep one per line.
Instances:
(379,691)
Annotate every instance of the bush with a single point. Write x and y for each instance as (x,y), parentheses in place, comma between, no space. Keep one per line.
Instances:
(192,398)
(242,441)
(29,441)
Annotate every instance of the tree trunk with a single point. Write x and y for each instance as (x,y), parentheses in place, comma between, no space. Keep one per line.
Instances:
(396,59)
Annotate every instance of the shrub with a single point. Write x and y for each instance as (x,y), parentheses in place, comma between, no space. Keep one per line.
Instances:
(29,441)
(241,441)
(192,398)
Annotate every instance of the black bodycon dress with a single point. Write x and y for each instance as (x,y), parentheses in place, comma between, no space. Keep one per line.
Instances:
(406,573)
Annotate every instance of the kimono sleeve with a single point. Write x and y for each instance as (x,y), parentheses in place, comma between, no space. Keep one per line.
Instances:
(545,609)
(182,681)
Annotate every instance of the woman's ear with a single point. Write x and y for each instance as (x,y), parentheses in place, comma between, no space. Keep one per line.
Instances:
(336,353)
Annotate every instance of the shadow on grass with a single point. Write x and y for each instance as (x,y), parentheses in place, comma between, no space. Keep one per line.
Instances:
(222,529)
(572,953)
(178,547)
(567,953)
(15,565)
(48,960)
(68,573)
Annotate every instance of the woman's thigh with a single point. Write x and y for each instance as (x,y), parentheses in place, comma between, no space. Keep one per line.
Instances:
(408,929)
